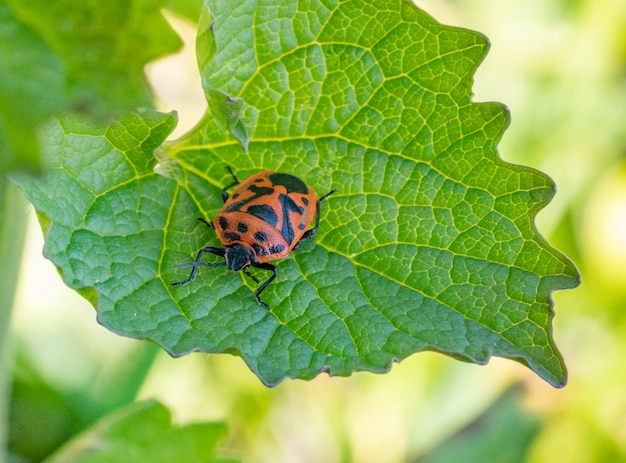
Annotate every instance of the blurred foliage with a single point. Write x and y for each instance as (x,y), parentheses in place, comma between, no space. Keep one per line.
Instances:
(143,432)
(43,43)
(482,440)
(559,66)
(41,418)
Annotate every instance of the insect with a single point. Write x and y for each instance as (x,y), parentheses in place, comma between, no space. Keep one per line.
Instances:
(265,218)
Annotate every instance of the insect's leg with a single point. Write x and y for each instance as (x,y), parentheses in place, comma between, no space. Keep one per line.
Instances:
(230,185)
(197,263)
(310,233)
(208,224)
(247,272)
(257,293)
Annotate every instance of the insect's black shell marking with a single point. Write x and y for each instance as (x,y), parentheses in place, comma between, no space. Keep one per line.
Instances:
(292,184)
(264,212)
(237,205)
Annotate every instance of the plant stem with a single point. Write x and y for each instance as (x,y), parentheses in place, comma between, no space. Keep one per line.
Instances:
(13,221)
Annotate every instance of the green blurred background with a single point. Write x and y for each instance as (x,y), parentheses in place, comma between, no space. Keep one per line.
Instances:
(560,67)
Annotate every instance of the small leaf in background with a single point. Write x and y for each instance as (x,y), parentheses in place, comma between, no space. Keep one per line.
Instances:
(84,57)
(40,418)
(482,440)
(44,414)
(189,9)
(429,243)
(143,432)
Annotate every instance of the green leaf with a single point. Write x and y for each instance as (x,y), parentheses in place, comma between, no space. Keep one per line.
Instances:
(189,9)
(25,57)
(429,243)
(75,56)
(484,439)
(225,110)
(143,432)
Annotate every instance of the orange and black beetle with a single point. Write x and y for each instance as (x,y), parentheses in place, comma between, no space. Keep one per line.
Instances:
(264,219)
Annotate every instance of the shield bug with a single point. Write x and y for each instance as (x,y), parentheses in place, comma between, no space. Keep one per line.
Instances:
(265,218)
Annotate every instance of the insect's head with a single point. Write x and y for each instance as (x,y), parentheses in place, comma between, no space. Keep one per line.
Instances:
(237,257)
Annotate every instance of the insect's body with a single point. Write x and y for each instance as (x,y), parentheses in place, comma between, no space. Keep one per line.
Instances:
(268,214)
(264,219)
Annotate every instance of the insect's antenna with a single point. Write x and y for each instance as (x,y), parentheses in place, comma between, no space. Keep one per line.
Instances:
(194,270)
(334,190)
(197,263)
(200,264)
